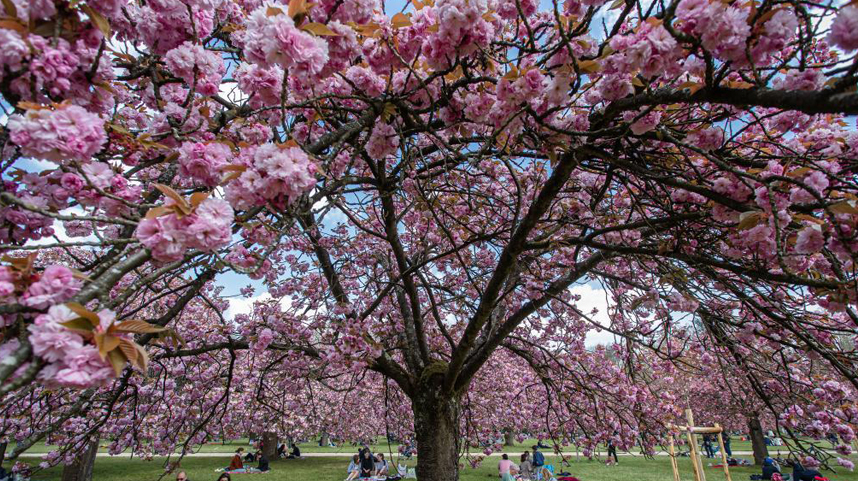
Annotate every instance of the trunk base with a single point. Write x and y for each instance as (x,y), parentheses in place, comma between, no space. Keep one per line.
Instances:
(81,468)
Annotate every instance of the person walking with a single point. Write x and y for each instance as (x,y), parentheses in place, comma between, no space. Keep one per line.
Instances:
(612,449)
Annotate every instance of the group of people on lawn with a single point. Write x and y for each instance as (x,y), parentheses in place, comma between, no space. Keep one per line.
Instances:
(366,465)
(527,469)
(236,465)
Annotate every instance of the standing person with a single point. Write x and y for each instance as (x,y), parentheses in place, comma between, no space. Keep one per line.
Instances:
(727,449)
(506,469)
(354,468)
(612,449)
(182,476)
(538,462)
(707,446)
(525,467)
(236,462)
(367,464)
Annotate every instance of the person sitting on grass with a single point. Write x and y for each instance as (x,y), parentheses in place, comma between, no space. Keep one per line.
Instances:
(381,467)
(800,473)
(506,468)
(236,463)
(224,477)
(296,453)
(182,476)
(525,467)
(354,468)
(281,450)
(263,462)
(770,468)
(367,464)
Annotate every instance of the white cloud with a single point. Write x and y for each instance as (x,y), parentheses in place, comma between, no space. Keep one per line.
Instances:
(594,297)
(243,305)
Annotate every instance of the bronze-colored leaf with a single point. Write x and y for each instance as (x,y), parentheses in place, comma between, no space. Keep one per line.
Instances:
(400,20)
(297,8)
(589,66)
(230,176)
(11,9)
(178,199)
(79,324)
(137,327)
(749,219)
(106,343)
(142,358)
(197,198)
(158,212)
(845,207)
(98,20)
(129,349)
(319,29)
(117,360)
(84,313)
(273,12)
(14,25)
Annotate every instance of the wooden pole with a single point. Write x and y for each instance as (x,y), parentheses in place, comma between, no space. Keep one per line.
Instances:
(673,458)
(696,463)
(723,454)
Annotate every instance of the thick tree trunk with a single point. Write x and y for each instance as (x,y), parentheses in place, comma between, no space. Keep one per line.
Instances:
(269,445)
(436,429)
(325,441)
(755,432)
(509,439)
(81,468)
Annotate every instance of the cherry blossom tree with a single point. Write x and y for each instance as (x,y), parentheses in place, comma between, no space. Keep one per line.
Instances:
(418,187)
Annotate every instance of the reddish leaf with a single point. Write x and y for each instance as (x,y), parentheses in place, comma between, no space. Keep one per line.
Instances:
(84,313)
(137,327)
(181,204)
(129,349)
(117,360)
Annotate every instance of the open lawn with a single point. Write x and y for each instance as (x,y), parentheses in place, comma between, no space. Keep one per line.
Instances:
(333,469)
(382,446)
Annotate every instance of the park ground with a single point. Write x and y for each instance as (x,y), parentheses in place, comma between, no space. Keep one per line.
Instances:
(631,468)
(333,469)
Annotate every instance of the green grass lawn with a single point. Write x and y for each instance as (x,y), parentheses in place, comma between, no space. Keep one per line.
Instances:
(333,469)
(382,446)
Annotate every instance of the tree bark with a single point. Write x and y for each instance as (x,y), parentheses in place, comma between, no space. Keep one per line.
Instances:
(436,429)
(3,452)
(269,445)
(81,468)
(509,439)
(755,432)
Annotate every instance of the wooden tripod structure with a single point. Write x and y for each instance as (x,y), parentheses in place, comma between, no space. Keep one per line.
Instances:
(696,462)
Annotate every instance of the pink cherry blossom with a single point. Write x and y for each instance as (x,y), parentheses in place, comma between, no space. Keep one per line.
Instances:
(56,284)
(383,141)
(67,133)
(844,29)
(50,340)
(204,161)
